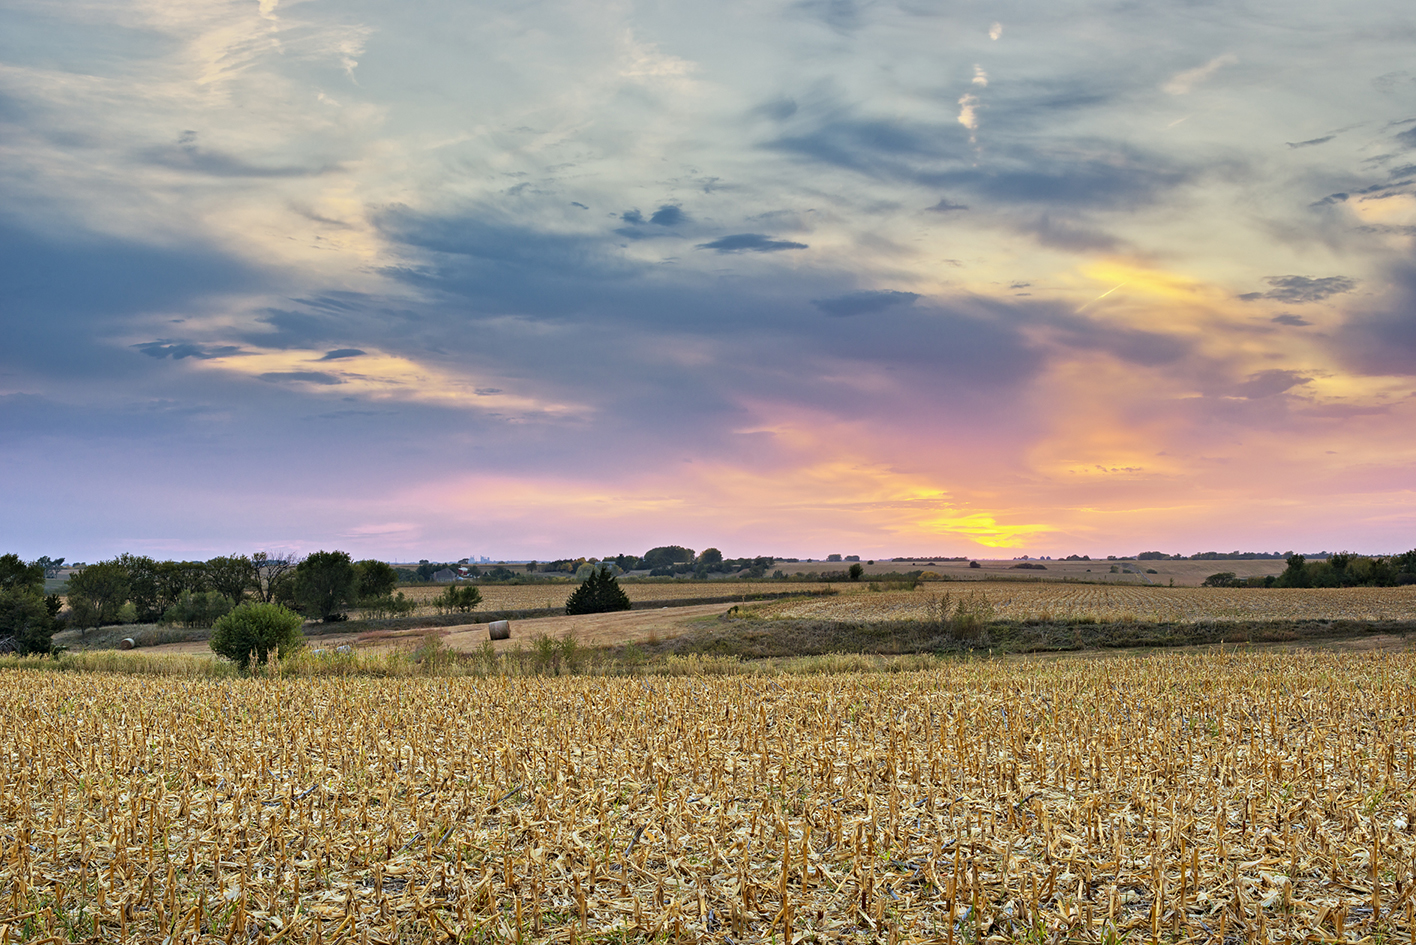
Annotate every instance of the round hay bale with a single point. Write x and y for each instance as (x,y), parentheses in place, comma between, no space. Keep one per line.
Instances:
(127,643)
(499,629)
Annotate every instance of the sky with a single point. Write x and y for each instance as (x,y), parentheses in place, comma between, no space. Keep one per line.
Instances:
(538,279)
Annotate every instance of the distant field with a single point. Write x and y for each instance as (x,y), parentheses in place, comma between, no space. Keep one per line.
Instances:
(1185,573)
(531,596)
(1064,602)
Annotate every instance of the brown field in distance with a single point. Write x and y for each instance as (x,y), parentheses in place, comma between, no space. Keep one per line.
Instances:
(1100,603)
(1184,573)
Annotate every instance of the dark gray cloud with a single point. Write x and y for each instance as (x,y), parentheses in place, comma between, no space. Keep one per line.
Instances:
(1269,384)
(1288,318)
(779,109)
(750,243)
(177,350)
(1065,235)
(1407,138)
(669,215)
(313,377)
(864,303)
(69,298)
(186,156)
(1299,289)
(500,246)
(945,205)
(1310,142)
(78,272)
(1383,340)
(633,217)
(290,328)
(1143,348)
(887,148)
(340,354)
(1081,173)
(1103,176)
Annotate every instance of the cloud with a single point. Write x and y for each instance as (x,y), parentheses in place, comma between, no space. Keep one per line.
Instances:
(887,148)
(1407,138)
(1143,348)
(1310,142)
(632,217)
(1182,83)
(968,112)
(340,354)
(842,15)
(313,377)
(1269,384)
(995,31)
(479,245)
(779,109)
(945,205)
(864,303)
(750,243)
(1299,289)
(1286,318)
(669,215)
(1383,340)
(1060,234)
(188,157)
(1391,81)
(177,350)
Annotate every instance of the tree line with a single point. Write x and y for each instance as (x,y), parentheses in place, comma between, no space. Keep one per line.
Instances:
(1338,570)
(139,589)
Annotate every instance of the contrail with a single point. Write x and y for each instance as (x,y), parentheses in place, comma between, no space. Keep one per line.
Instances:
(1099,298)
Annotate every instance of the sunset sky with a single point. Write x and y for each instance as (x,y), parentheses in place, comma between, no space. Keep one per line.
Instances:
(432,279)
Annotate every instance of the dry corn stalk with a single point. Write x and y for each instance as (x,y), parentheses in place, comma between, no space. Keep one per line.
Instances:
(1179,797)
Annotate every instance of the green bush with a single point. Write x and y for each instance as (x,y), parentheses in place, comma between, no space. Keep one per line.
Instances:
(382,608)
(599,594)
(454,599)
(201,609)
(25,618)
(253,630)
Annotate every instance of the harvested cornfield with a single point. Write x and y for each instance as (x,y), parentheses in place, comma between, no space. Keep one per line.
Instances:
(534,596)
(1201,798)
(1107,603)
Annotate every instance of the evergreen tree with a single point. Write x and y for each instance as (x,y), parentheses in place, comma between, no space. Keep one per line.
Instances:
(599,594)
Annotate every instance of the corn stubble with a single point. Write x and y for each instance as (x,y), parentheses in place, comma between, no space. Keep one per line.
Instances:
(1179,797)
